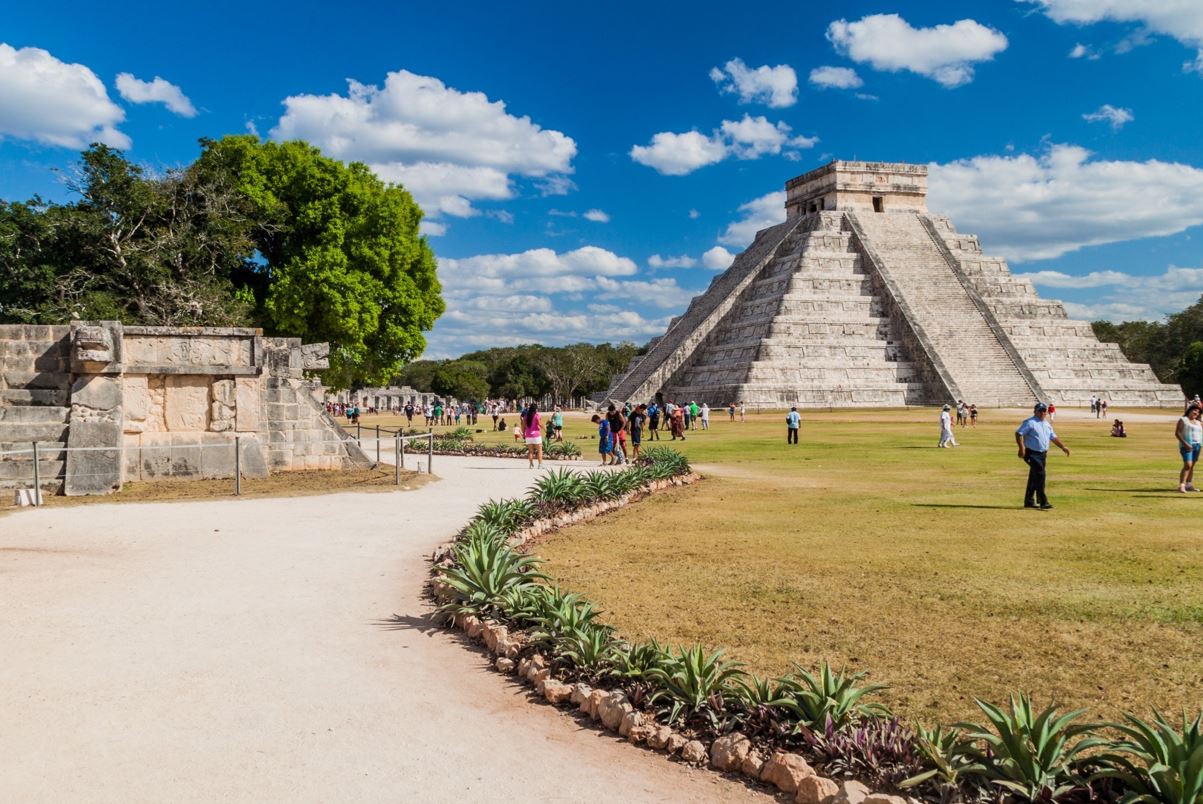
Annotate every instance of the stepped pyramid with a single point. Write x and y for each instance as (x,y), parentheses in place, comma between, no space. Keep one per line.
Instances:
(863,298)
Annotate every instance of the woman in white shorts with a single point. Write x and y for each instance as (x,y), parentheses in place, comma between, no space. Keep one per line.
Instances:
(532,433)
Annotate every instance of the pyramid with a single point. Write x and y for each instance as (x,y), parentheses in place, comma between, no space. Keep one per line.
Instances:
(863,298)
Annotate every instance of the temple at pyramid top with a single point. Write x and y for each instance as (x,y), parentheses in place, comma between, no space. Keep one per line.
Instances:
(867,186)
(862,297)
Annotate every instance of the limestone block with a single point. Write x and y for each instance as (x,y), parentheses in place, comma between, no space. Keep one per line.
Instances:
(246,404)
(135,402)
(185,453)
(223,392)
(216,456)
(187,402)
(96,393)
(93,471)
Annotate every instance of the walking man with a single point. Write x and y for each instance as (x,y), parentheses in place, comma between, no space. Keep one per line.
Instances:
(1032,438)
(792,422)
(946,439)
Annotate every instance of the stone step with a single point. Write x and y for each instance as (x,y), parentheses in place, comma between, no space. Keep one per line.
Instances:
(35,332)
(23,470)
(34,414)
(23,396)
(32,380)
(48,361)
(10,349)
(32,431)
(23,451)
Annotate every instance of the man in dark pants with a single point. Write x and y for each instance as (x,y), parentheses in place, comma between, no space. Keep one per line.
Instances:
(1033,438)
(792,422)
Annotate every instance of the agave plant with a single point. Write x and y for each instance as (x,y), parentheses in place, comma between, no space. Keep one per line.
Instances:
(481,531)
(485,569)
(766,705)
(882,750)
(562,613)
(559,488)
(1156,762)
(949,757)
(1031,755)
(601,486)
(630,479)
(665,459)
(590,648)
(696,686)
(507,515)
(562,449)
(523,605)
(829,697)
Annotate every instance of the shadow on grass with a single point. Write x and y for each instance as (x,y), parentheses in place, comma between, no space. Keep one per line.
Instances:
(1156,491)
(956,505)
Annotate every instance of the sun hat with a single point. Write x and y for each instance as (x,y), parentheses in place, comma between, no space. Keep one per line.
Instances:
(946,407)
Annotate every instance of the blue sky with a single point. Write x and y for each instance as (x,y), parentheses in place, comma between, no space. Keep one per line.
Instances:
(587,170)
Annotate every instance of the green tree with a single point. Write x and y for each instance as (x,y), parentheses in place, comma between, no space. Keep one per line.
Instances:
(1190,374)
(462,379)
(342,260)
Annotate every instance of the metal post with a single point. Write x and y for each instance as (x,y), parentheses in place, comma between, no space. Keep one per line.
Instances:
(357,432)
(430,453)
(37,477)
(377,444)
(397,461)
(238,466)
(401,453)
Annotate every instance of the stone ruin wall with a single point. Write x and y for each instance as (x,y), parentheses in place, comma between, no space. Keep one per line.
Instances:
(171,401)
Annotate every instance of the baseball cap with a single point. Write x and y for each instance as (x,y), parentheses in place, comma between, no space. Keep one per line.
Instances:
(1040,408)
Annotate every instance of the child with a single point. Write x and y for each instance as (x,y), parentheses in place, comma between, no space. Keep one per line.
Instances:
(517,433)
(603,438)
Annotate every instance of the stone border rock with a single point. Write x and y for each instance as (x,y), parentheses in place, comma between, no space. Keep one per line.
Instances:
(732,753)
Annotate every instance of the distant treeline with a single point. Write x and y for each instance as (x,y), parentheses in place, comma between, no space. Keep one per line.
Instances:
(516,372)
(1173,347)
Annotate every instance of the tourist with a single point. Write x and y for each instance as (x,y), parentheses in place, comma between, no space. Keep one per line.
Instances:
(532,432)
(973,416)
(635,423)
(1189,432)
(1103,407)
(653,422)
(705,416)
(557,423)
(1033,438)
(946,439)
(618,433)
(962,412)
(517,431)
(742,411)
(409,414)
(731,411)
(1117,429)
(792,422)
(1093,403)
(694,412)
(1052,411)
(678,423)
(493,412)
(603,438)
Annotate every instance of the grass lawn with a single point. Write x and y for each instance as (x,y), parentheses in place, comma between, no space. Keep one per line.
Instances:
(869,547)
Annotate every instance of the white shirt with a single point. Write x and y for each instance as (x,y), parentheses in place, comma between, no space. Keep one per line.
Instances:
(945,420)
(1192,431)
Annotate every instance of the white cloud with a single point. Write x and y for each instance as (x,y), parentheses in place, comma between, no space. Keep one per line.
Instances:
(1081,51)
(1181,19)
(555,185)
(694,214)
(454,147)
(53,102)
(750,138)
(157,90)
(944,53)
(1028,207)
(718,259)
(754,137)
(776,87)
(1132,297)
(432,228)
(683,261)
(678,154)
(1107,113)
(759,213)
(597,216)
(543,296)
(835,78)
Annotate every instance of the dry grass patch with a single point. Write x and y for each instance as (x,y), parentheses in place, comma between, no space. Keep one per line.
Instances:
(869,547)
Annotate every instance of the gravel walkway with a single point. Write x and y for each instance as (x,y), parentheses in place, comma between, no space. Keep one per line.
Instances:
(277,650)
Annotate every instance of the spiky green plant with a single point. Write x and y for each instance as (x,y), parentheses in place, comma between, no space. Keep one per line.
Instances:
(949,756)
(665,460)
(508,515)
(600,486)
(563,612)
(1156,762)
(1031,755)
(559,488)
(637,662)
(523,605)
(766,705)
(590,649)
(831,696)
(485,569)
(480,530)
(696,686)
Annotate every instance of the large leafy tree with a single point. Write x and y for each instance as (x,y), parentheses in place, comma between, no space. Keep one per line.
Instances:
(1168,346)
(342,260)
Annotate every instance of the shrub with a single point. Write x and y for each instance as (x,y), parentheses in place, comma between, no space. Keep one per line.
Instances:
(507,515)
(1156,762)
(601,486)
(696,686)
(590,649)
(881,750)
(485,569)
(561,614)
(557,490)
(562,449)
(949,757)
(665,459)
(766,707)
(829,697)
(1031,755)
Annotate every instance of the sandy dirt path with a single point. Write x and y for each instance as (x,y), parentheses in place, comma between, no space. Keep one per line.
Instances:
(277,650)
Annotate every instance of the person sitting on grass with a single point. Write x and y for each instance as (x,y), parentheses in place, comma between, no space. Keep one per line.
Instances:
(1117,430)
(501,425)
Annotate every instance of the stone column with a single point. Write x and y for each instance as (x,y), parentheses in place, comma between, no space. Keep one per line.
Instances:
(96,409)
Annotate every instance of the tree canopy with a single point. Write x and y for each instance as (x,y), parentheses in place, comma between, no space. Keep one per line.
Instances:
(1173,347)
(265,234)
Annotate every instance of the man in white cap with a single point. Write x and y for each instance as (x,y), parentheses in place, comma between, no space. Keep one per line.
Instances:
(1033,438)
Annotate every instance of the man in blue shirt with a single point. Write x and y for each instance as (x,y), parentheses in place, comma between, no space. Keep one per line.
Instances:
(792,422)
(1032,438)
